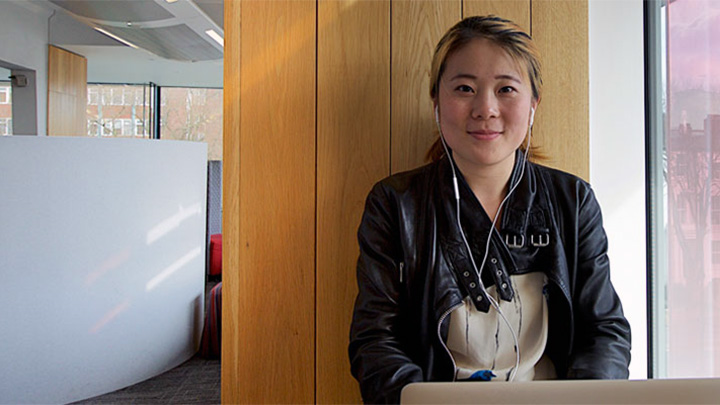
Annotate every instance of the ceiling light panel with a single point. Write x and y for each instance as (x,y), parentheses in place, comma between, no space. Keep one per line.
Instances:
(115,10)
(177,42)
(216,37)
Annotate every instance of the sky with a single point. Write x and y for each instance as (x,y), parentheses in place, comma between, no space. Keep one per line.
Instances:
(694,44)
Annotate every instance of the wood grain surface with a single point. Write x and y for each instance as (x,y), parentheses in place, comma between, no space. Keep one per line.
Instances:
(562,123)
(232,321)
(275,290)
(322,99)
(417,26)
(353,153)
(517,11)
(67,93)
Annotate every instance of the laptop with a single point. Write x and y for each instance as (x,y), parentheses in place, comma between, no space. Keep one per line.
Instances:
(659,391)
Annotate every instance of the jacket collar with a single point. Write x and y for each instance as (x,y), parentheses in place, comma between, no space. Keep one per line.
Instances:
(525,220)
(516,215)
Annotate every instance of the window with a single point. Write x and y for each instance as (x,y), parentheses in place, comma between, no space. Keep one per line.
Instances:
(128,129)
(684,143)
(142,97)
(715,210)
(106,96)
(716,252)
(4,93)
(5,108)
(141,128)
(120,110)
(92,95)
(107,127)
(127,110)
(93,128)
(5,126)
(193,114)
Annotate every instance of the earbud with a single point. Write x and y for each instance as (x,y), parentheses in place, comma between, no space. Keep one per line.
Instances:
(532,116)
(437,116)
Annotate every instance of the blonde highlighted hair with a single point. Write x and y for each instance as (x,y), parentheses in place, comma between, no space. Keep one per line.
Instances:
(501,32)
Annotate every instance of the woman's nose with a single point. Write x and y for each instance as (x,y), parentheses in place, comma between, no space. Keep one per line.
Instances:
(485,106)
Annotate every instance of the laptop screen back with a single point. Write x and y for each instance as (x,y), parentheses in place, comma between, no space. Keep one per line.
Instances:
(660,391)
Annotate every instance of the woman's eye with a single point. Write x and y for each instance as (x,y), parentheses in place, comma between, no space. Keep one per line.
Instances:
(507,89)
(465,88)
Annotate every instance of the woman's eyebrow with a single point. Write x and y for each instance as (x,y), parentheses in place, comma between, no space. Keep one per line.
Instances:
(463,76)
(473,77)
(508,77)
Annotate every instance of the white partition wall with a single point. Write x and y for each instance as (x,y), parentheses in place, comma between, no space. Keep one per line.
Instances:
(617,154)
(102,263)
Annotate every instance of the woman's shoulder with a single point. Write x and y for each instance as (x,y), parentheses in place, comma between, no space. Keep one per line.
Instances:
(398,192)
(409,180)
(560,178)
(564,186)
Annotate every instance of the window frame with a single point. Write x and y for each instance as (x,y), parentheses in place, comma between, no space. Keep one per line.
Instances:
(656,209)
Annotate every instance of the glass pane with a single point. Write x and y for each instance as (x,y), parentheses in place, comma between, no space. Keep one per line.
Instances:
(119,110)
(193,114)
(5,108)
(691,328)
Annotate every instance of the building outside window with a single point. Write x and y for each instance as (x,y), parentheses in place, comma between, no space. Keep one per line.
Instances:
(5,126)
(5,93)
(684,139)
(119,110)
(106,127)
(185,113)
(5,108)
(93,96)
(93,127)
(715,208)
(193,114)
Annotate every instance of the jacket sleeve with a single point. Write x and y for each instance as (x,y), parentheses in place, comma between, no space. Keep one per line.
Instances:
(601,348)
(377,358)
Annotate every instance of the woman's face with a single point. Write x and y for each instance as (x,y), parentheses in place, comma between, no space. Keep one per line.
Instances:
(484,103)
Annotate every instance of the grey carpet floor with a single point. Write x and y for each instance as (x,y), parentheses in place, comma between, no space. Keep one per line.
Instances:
(197,381)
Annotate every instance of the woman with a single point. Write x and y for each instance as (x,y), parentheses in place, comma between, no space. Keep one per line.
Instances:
(534,299)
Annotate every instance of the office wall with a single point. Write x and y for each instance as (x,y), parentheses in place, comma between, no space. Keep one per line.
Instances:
(617,154)
(317,100)
(102,263)
(24,40)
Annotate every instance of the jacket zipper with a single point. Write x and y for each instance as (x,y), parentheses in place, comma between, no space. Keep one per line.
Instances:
(402,267)
(442,342)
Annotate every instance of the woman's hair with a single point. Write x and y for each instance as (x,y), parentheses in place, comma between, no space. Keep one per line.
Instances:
(501,32)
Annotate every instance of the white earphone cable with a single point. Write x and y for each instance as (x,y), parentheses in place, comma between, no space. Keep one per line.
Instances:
(493,301)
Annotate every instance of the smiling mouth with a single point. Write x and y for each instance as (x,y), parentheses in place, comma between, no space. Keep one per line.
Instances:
(484,134)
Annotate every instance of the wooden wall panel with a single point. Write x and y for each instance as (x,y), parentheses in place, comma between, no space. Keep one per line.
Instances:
(417,26)
(294,187)
(232,320)
(274,297)
(516,10)
(353,153)
(562,123)
(67,93)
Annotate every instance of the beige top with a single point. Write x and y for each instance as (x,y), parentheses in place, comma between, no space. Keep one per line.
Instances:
(483,341)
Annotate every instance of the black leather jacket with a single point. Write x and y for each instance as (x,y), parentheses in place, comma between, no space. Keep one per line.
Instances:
(414,270)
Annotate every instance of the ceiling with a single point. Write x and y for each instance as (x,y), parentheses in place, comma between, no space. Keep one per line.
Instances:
(142,40)
(176,30)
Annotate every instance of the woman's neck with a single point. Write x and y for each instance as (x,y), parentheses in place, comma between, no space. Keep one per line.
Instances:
(488,183)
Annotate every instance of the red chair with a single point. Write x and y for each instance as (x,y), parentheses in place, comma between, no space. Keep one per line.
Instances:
(212,333)
(216,254)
